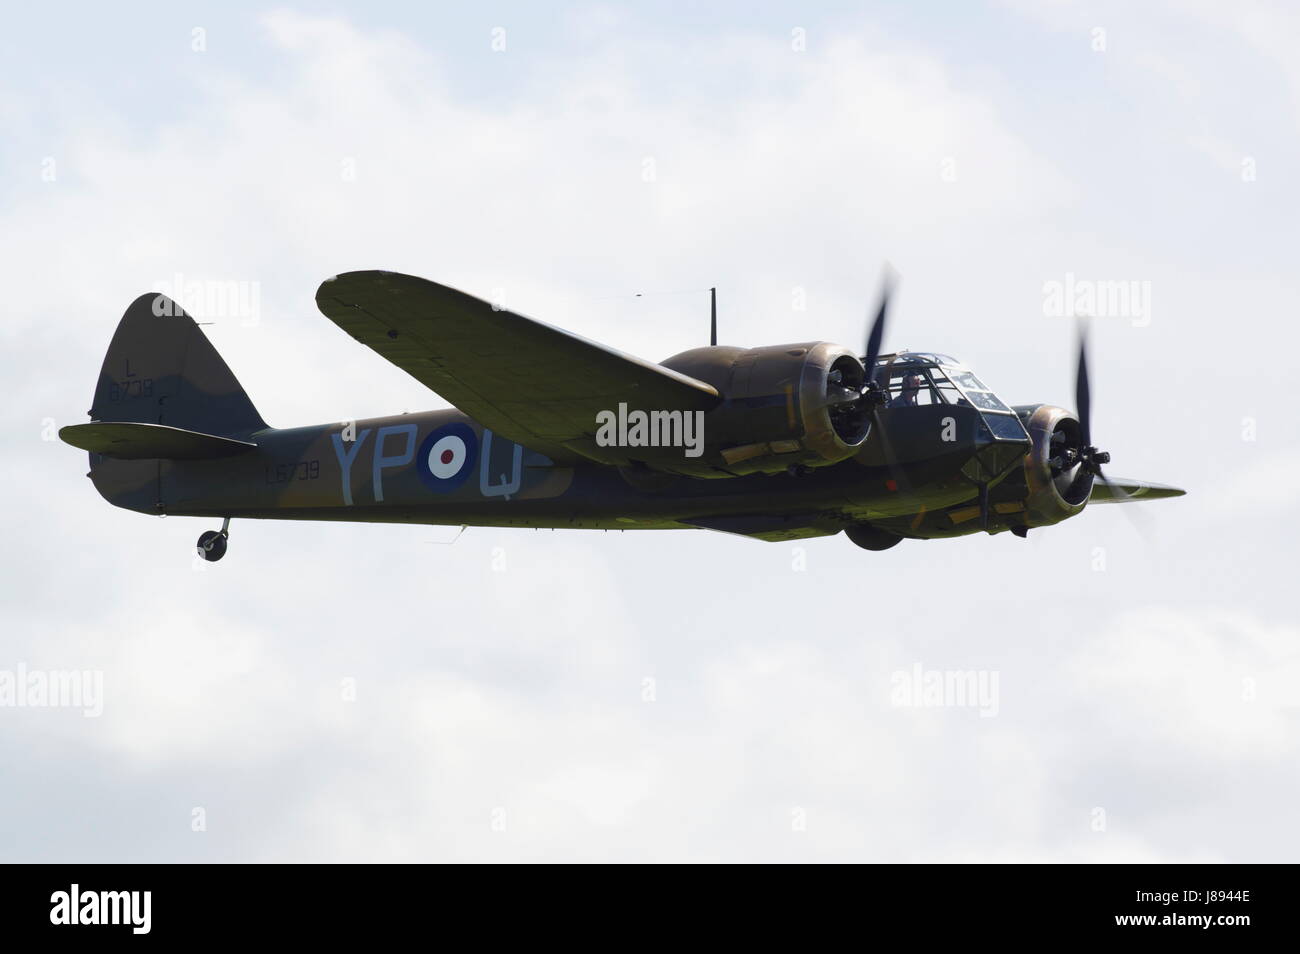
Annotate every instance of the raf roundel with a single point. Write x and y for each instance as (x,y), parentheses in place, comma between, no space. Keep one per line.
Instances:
(447,456)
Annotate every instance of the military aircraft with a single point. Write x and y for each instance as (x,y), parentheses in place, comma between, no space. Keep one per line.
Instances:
(550,430)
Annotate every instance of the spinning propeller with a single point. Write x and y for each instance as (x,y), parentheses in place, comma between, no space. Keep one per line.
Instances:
(1086,454)
(874,392)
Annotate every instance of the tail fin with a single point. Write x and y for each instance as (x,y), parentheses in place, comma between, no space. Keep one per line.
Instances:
(161,369)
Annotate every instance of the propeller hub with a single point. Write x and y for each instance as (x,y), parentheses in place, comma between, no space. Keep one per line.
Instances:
(874,395)
(1093,459)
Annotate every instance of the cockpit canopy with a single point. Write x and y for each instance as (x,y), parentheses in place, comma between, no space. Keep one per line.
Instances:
(916,378)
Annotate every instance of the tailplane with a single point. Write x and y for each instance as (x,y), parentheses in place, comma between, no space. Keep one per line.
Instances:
(123,441)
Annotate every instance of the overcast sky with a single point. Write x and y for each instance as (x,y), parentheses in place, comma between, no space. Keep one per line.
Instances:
(682,696)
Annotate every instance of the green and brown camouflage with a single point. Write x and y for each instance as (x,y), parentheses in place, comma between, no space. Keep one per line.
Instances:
(795,440)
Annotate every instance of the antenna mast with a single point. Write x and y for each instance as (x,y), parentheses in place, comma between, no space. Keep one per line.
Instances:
(713,316)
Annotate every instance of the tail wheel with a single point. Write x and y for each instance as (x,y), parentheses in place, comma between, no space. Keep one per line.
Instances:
(871,538)
(212,545)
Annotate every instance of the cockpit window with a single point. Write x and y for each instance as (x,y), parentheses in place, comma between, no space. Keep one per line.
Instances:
(967,380)
(986,400)
(916,378)
(927,357)
(947,390)
(912,386)
(977,391)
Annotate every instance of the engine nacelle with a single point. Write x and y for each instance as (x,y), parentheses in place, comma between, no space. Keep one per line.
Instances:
(783,406)
(1057,485)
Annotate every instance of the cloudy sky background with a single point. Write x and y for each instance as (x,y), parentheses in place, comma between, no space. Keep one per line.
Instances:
(500,708)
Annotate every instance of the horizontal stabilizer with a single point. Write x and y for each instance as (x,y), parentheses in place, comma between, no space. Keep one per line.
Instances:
(1124,489)
(133,441)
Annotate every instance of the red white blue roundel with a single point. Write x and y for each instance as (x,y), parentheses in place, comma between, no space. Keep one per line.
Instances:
(447,456)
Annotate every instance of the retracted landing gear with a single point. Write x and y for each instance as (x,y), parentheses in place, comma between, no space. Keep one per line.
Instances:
(212,543)
(870,538)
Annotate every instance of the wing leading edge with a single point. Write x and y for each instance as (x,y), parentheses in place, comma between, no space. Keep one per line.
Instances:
(534,384)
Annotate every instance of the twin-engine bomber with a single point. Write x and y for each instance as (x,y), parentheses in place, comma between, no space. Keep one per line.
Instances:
(550,430)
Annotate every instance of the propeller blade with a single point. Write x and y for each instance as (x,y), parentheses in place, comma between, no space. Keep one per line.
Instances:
(1083,403)
(901,483)
(1141,522)
(875,338)
(1082,392)
(877,332)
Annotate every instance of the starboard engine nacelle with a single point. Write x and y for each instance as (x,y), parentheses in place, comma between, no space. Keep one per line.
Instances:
(1057,484)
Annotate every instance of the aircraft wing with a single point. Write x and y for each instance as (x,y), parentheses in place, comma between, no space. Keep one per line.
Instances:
(527,381)
(1125,490)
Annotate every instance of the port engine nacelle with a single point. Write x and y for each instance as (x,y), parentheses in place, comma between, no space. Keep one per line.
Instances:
(784,408)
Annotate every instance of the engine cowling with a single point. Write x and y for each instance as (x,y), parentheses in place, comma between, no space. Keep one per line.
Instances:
(785,406)
(1057,484)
